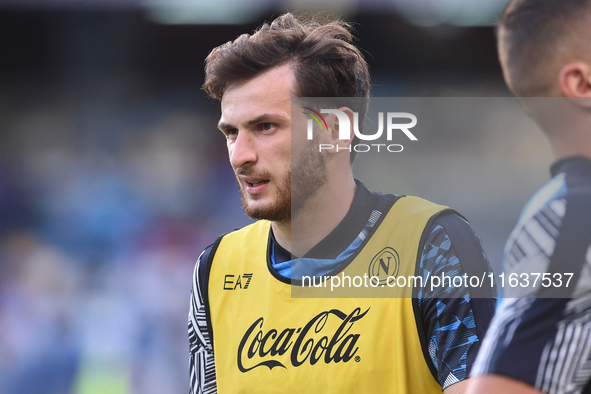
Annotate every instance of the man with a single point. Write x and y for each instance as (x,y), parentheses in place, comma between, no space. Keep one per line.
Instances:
(247,333)
(539,341)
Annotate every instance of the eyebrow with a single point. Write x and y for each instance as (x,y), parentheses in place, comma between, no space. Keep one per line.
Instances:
(259,119)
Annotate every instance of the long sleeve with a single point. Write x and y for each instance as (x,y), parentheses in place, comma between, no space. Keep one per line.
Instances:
(201,362)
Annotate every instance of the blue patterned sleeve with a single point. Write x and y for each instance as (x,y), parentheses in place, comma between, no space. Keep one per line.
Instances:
(453,322)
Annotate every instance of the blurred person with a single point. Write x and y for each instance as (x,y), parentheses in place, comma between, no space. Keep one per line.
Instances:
(540,339)
(247,333)
(39,339)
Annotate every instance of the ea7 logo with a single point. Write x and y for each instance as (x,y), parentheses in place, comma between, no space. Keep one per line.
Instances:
(233,282)
(345,124)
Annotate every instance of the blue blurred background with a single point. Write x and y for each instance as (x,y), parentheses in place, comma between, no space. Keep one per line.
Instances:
(113,177)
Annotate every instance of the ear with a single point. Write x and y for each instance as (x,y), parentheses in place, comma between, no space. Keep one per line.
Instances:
(336,127)
(575,80)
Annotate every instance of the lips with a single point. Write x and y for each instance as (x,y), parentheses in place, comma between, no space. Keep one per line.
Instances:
(254,185)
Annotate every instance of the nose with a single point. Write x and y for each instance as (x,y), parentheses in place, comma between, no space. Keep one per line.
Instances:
(242,150)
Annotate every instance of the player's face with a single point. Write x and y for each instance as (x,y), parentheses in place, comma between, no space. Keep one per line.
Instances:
(256,120)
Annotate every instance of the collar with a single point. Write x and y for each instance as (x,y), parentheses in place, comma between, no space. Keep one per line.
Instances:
(345,232)
(578,164)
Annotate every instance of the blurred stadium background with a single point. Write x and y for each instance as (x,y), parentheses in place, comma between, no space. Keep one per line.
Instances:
(113,177)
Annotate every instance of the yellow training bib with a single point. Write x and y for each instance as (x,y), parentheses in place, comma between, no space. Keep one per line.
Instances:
(267,341)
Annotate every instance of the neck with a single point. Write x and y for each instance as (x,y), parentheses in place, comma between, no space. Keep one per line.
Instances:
(566,123)
(568,146)
(320,215)
(572,139)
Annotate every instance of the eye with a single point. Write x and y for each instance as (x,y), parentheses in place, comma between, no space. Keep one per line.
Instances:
(267,126)
(230,132)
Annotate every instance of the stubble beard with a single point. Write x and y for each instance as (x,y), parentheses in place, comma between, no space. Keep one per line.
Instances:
(279,210)
(309,174)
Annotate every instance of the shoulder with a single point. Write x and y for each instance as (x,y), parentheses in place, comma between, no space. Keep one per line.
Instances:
(555,189)
(452,244)
(260,226)
(554,239)
(571,183)
(452,231)
(200,274)
(259,229)
(453,249)
(454,225)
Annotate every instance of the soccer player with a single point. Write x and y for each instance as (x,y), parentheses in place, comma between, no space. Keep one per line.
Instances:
(247,333)
(540,340)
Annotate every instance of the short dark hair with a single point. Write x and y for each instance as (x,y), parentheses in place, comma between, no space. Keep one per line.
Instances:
(326,63)
(530,32)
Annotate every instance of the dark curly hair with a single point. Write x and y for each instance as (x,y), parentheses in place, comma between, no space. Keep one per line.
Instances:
(325,62)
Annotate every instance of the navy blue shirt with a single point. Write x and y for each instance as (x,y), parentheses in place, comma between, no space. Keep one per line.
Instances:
(542,334)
